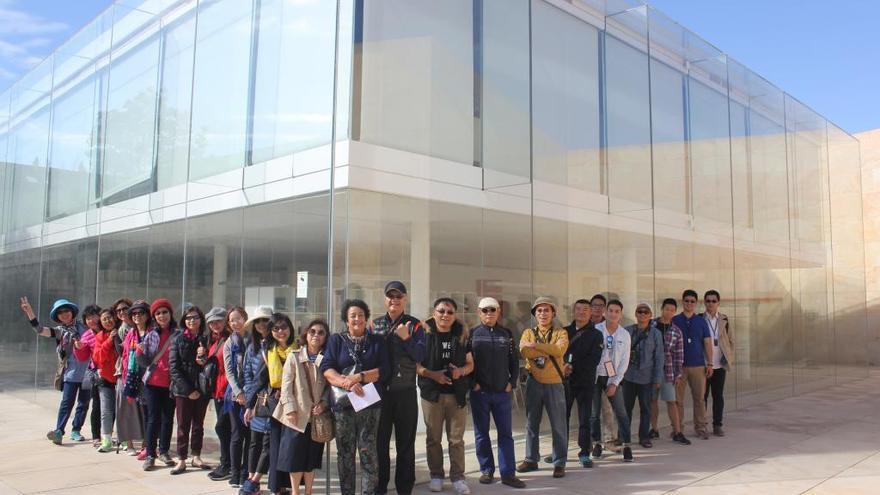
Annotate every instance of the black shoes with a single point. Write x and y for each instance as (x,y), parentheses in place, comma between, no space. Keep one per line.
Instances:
(627,454)
(219,473)
(597,451)
(654,434)
(717,431)
(548,459)
(487,478)
(679,438)
(513,481)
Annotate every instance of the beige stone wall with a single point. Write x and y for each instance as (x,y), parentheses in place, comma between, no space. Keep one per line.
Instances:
(870,144)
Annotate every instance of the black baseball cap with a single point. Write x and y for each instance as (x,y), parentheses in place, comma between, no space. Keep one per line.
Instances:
(395,285)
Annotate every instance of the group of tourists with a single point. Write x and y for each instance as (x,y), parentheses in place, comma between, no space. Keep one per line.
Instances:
(279,397)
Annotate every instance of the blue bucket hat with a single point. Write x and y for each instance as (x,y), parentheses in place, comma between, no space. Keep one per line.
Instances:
(62,303)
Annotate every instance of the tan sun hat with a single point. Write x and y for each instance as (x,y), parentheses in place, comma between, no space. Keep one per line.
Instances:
(543,300)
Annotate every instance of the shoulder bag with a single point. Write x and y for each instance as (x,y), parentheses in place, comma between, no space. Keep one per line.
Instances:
(152,367)
(322,424)
(208,375)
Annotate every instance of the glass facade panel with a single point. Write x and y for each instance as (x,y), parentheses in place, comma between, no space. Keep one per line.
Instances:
(293,99)
(222,73)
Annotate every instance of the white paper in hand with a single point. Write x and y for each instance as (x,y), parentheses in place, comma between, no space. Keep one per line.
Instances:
(370,397)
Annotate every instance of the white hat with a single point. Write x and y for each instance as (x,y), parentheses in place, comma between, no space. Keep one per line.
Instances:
(488,302)
(260,312)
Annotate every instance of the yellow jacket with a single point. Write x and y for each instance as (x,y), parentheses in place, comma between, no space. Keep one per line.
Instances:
(552,343)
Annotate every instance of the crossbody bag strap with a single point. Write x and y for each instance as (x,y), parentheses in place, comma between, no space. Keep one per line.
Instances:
(552,359)
(309,382)
(162,351)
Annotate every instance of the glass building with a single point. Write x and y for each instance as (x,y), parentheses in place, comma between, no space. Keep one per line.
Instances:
(295,153)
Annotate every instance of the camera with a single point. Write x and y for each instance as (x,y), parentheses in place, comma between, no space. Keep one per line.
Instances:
(540,362)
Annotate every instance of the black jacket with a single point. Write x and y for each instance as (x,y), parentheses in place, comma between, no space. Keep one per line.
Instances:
(495,361)
(430,390)
(584,353)
(182,363)
(402,356)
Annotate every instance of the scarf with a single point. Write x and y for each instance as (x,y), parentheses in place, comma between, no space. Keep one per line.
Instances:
(275,358)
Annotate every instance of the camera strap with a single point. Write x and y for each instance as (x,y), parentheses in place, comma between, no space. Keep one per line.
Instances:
(552,359)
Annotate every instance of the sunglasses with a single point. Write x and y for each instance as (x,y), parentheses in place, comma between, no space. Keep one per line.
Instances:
(488,310)
(138,312)
(280,328)
(443,312)
(193,317)
(643,312)
(317,332)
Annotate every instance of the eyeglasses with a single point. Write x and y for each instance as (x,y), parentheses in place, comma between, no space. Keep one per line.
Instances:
(317,332)
(192,317)
(443,312)
(121,310)
(488,310)
(280,328)
(162,312)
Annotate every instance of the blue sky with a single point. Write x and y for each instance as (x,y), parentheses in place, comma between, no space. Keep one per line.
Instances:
(826,54)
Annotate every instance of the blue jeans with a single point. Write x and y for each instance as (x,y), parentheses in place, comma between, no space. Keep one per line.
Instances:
(550,396)
(644,393)
(499,405)
(71,392)
(616,405)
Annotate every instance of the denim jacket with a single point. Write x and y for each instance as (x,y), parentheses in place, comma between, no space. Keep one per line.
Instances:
(646,366)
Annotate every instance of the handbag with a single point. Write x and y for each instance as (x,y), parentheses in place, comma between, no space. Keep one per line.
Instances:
(322,424)
(266,400)
(208,376)
(152,367)
(338,395)
(58,382)
(91,379)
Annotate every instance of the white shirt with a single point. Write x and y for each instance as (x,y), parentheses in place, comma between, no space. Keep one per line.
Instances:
(712,321)
(618,354)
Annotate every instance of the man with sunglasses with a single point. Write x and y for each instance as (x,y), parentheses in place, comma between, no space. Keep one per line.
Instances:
(645,372)
(405,338)
(496,370)
(581,359)
(722,357)
(697,360)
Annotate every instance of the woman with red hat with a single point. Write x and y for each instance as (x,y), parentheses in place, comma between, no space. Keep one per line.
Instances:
(153,357)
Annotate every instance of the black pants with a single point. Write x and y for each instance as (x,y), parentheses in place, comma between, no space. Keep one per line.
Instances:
(160,419)
(631,392)
(278,480)
(224,431)
(258,457)
(715,385)
(239,443)
(95,415)
(400,411)
(583,396)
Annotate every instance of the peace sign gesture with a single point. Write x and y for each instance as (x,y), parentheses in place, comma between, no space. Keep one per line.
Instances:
(26,308)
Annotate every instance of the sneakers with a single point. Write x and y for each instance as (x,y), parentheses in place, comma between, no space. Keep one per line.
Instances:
(513,482)
(460,487)
(219,473)
(249,488)
(597,451)
(646,443)
(106,444)
(717,431)
(149,463)
(142,455)
(585,460)
(680,438)
(436,485)
(654,434)
(54,436)
(487,478)
(166,459)
(76,436)
(627,454)
(527,466)
(235,480)
(559,472)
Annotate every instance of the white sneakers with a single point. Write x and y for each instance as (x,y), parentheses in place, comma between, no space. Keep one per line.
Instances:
(460,487)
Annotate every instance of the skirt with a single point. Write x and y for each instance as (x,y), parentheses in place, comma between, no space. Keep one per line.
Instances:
(129,416)
(297,452)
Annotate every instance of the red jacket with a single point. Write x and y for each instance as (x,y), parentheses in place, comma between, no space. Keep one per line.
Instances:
(220,390)
(104,356)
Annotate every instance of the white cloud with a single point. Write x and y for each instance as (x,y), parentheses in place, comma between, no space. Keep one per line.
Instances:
(25,38)
(16,21)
